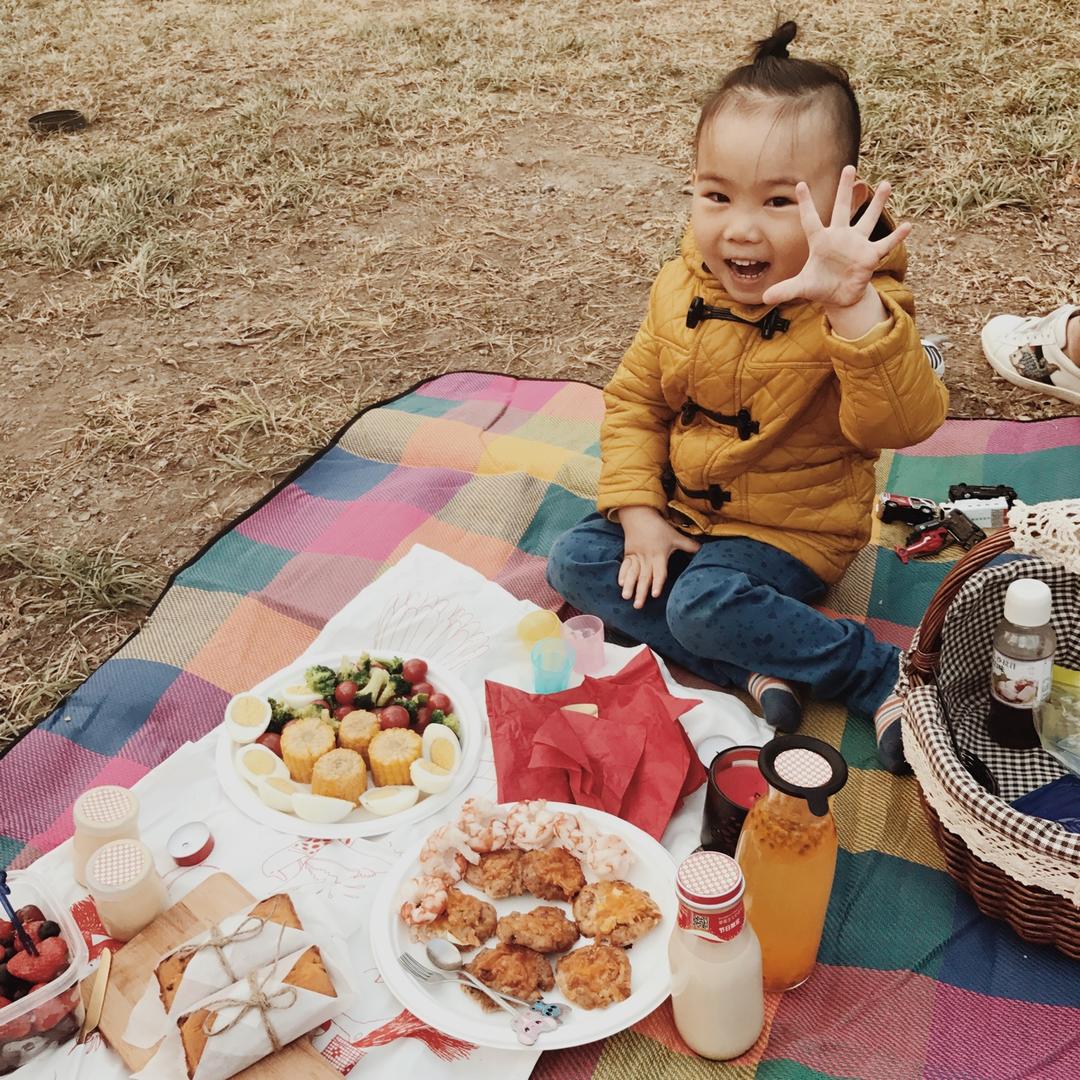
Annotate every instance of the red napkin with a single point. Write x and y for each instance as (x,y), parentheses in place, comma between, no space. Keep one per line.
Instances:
(634,761)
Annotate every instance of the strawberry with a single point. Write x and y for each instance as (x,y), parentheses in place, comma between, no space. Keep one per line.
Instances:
(7,932)
(47,1016)
(52,958)
(4,1003)
(17,1029)
(33,931)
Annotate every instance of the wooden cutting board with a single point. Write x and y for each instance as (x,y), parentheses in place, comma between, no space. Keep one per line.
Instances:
(133,967)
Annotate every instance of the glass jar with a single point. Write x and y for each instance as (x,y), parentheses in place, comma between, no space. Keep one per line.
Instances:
(126,887)
(787,852)
(1057,720)
(101,814)
(716,991)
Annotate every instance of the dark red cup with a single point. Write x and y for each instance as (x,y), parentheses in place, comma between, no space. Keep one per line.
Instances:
(735,784)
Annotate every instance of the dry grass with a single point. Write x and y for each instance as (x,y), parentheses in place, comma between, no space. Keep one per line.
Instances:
(281,212)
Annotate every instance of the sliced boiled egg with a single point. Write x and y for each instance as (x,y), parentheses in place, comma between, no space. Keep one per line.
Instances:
(430,778)
(391,799)
(247,716)
(299,696)
(256,763)
(278,792)
(320,808)
(441,747)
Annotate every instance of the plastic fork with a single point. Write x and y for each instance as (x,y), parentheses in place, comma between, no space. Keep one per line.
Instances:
(426,974)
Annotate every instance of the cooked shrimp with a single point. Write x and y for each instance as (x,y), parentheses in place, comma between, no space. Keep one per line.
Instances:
(423,900)
(531,825)
(483,826)
(445,853)
(571,834)
(609,857)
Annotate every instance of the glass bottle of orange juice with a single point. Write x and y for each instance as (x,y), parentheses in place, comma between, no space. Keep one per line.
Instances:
(787,851)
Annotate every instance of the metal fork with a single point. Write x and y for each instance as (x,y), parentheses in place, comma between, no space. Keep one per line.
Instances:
(426,974)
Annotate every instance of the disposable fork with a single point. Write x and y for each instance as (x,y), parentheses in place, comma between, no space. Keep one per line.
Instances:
(426,974)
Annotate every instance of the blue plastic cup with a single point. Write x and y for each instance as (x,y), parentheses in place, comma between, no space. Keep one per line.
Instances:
(552,663)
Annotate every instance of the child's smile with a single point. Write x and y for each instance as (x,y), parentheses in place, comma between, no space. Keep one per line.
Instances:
(745,215)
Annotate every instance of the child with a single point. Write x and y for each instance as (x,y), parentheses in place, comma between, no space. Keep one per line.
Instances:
(778,357)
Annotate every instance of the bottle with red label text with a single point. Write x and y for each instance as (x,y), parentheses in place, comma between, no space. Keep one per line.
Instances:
(715,959)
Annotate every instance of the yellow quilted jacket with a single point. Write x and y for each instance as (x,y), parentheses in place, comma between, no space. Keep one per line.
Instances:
(768,431)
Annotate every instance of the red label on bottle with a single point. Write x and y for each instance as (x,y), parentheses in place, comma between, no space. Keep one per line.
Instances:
(716,925)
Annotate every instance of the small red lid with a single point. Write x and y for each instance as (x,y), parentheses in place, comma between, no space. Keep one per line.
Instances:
(710,878)
(190,844)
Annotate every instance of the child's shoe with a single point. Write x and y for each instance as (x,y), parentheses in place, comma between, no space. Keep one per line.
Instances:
(1031,353)
(934,357)
(779,702)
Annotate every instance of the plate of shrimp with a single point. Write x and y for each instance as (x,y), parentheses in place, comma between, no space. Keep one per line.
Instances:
(548,902)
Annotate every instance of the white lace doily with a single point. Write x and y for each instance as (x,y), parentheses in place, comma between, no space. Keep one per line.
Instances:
(1050,530)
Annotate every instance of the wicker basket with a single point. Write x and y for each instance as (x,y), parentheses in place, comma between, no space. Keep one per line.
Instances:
(1020,869)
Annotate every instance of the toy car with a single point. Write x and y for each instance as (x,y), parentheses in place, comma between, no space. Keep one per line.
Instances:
(925,542)
(957,492)
(906,508)
(964,531)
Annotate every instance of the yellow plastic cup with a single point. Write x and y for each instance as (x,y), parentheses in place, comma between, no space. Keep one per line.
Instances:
(538,625)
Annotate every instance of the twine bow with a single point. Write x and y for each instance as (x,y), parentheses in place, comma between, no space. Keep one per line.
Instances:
(282,998)
(250,928)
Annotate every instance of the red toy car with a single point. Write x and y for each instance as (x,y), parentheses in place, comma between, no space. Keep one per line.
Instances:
(906,508)
(925,543)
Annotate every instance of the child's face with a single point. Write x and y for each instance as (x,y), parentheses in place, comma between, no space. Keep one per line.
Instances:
(745,211)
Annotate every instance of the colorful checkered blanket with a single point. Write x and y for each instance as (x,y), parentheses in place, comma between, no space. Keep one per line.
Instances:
(912,980)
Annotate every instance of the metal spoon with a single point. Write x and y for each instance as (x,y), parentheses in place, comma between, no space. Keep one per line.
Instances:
(446,956)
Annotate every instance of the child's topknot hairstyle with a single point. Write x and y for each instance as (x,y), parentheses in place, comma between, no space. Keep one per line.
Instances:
(773,73)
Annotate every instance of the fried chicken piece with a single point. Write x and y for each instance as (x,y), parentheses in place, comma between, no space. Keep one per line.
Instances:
(551,874)
(614,912)
(594,976)
(513,969)
(498,874)
(471,921)
(545,929)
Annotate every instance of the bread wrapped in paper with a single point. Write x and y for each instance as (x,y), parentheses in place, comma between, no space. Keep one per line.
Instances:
(258,1015)
(228,951)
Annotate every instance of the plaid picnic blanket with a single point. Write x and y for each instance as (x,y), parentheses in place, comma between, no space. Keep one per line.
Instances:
(912,980)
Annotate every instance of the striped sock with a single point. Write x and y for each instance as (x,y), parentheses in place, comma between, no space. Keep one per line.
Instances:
(778,701)
(887,732)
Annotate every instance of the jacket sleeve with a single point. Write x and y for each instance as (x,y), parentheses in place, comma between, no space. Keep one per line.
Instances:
(889,394)
(634,435)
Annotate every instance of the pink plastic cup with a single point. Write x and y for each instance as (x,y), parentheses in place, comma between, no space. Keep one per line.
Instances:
(585,634)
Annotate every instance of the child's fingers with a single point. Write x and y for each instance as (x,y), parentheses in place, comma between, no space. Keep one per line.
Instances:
(894,239)
(808,214)
(659,575)
(866,223)
(628,575)
(841,211)
(641,593)
(782,292)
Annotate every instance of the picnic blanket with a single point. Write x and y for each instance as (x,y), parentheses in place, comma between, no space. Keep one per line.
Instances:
(912,980)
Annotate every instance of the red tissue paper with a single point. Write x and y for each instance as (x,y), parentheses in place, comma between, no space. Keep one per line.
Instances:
(635,761)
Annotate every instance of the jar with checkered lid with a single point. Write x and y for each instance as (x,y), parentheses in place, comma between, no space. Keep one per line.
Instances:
(715,960)
(101,814)
(126,887)
(787,851)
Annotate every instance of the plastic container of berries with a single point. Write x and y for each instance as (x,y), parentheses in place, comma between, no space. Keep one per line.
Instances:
(37,1013)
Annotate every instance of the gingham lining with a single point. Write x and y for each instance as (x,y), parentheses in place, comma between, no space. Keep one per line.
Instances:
(966,640)
(966,646)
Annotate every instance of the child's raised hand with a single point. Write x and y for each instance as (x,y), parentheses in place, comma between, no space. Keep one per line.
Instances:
(649,541)
(842,256)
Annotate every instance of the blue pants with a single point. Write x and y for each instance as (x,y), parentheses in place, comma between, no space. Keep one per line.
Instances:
(734,607)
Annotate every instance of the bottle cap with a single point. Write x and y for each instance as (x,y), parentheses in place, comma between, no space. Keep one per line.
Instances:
(105,810)
(1027,602)
(805,768)
(710,888)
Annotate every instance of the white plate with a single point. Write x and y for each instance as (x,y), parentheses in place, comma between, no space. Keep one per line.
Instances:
(360,822)
(443,1005)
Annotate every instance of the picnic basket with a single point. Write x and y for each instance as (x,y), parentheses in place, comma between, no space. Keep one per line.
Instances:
(1021,869)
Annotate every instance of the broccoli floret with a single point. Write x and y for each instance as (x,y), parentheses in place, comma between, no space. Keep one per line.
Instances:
(369,692)
(402,687)
(280,715)
(410,705)
(321,680)
(450,720)
(393,665)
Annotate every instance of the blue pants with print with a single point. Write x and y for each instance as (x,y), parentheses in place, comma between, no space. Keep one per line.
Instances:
(734,607)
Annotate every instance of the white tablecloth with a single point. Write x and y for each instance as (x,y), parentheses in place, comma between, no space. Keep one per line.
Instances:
(427,605)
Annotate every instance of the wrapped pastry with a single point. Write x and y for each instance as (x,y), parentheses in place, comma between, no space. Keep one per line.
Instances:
(257,1015)
(227,952)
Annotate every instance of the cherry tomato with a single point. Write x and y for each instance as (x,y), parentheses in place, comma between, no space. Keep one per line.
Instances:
(345,691)
(423,718)
(394,716)
(342,711)
(414,671)
(441,701)
(271,742)
(423,688)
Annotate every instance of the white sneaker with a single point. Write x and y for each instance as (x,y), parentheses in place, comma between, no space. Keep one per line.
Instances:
(934,356)
(1031,353)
